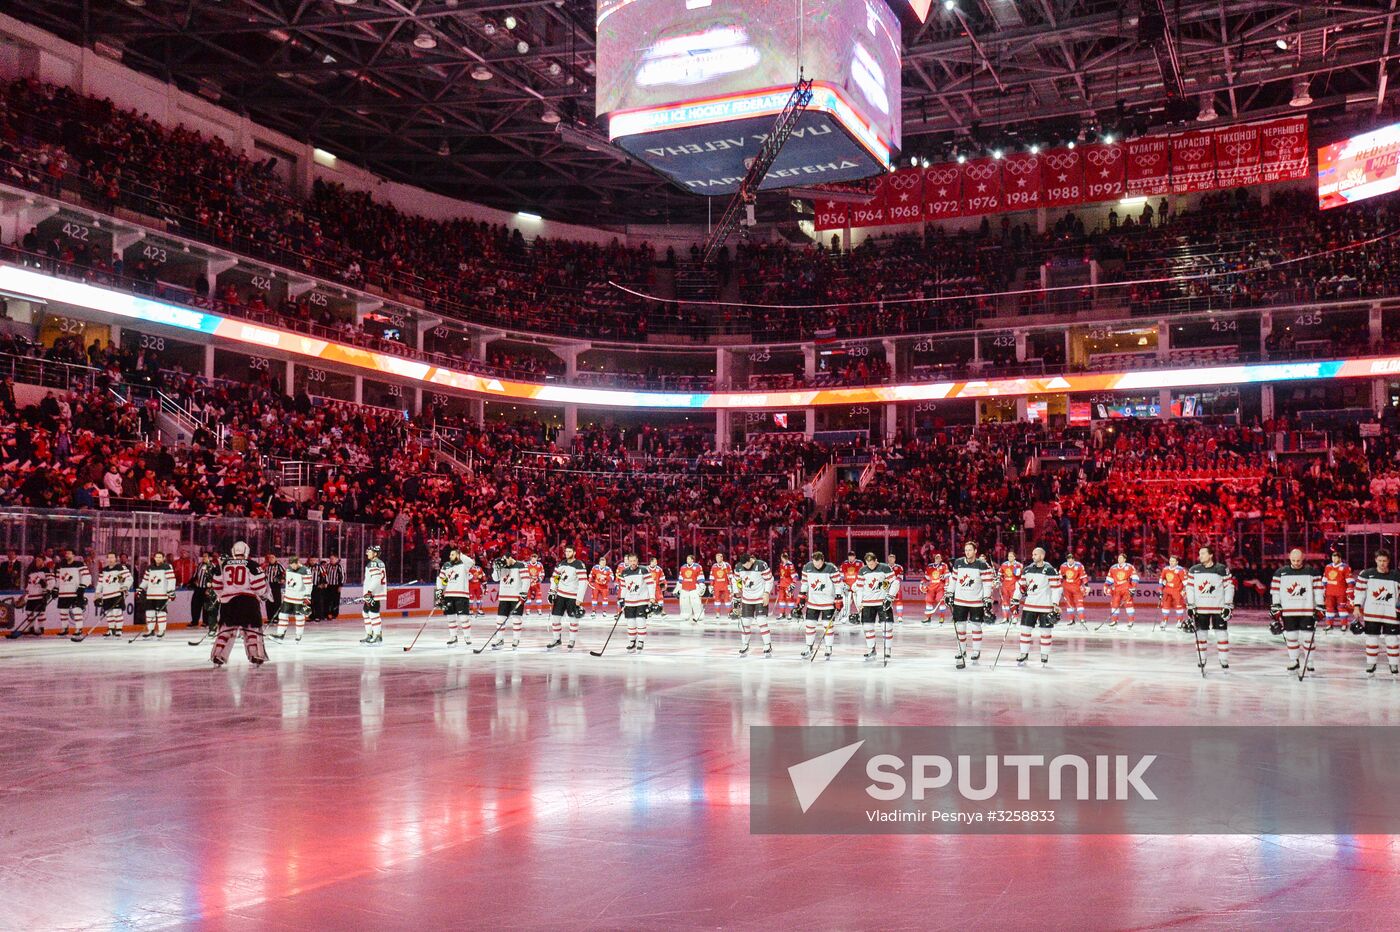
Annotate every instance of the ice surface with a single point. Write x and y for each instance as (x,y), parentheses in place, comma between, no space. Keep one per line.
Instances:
(350,787)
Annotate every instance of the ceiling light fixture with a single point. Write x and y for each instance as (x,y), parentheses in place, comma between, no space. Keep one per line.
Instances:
(425,41)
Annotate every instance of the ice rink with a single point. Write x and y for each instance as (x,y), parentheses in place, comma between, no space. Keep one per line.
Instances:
(350,787)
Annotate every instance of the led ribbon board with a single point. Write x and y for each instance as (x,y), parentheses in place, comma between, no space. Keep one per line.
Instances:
(370,363)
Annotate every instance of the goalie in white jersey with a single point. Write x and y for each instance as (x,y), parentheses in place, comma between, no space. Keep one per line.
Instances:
(240,586)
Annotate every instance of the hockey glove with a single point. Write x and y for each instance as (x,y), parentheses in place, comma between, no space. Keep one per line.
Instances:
(1356,627)
(576,611)
(1188,624)
(1054,616)
(439,599)
(1226,612)
(887,606)
(1275,612)
(1276,626)
(552,597)
(801,605)
(736,609)
(371,605)
(987,607)
(948,600)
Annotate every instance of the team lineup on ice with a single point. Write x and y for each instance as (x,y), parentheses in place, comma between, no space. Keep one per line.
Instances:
(859,599)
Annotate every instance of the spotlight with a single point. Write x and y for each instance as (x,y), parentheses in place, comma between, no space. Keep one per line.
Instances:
(1035,149)
(996,153)
(950,5)
(1108,138)
(522,46)
(962,159)
(1281,44)
(509,22)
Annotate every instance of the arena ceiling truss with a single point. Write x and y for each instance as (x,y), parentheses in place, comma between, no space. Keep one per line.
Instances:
(493,101)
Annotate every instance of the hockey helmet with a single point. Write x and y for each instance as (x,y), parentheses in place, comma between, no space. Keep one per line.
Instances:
(239,551)
(372,551)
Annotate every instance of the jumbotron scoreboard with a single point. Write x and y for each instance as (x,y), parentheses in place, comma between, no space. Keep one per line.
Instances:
(692,87)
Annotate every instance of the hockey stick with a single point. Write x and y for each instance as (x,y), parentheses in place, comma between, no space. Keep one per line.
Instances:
(201,640)
(1001,646)
(608,640)
(421,629)
(26,623)
(499,627)
(353,599)
(826,635)
(885,622)
(1200,652)
(1307,654)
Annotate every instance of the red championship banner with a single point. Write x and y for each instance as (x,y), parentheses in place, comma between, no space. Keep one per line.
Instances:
(1237,156)
(943,191)
(829,215)
(1193,161)
(1062,177)
(1020,179)
(1149,169)
(872,214)
(1105,172)
(1283,149)
(982,186)
(904,197)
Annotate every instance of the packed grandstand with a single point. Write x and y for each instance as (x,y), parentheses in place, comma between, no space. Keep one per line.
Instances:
(1242,475)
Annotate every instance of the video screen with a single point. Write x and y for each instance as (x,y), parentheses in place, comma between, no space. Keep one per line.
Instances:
(658,53)
(1358,168)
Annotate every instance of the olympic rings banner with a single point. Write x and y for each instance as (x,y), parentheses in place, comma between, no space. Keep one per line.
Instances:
(371,364)
(1199,160)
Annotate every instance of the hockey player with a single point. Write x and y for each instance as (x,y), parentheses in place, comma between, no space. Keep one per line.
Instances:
(240,586)
(1377,593)
(1037,599)
(1338,583)
(935,585)
(535,599)
(634,592)
(850,578)
(513,583)
(690,590)
(787,589)
(113,583)
(600,580)
(297,580)
(658,586)
(40,587)
(877,588)
(1073,577)
(755,581)
(1210,599)
(897,569)
(157,589)
(74,581)
(376,590)
(476,588)
(1122,579)
(1295,605)
(1009,575)
(817,589)
(720,573)
(971,600)
(566,596)
(1172,582)
(452,595)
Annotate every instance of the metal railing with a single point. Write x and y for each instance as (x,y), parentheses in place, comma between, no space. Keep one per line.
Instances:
(138,535)
(47,373)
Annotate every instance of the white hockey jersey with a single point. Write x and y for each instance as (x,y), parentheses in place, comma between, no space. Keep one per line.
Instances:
(1038,588)
(820,586)
(1377,595)
(158,582)
(513,581)
(755,582)
(1296,592)
(454,579)
(237,577)
(1210,589)
(39,582)
(876,584)
(376,580)
(297,588)
(972,582)
(635,585)
(568,578)
(113,582)
(73,578)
